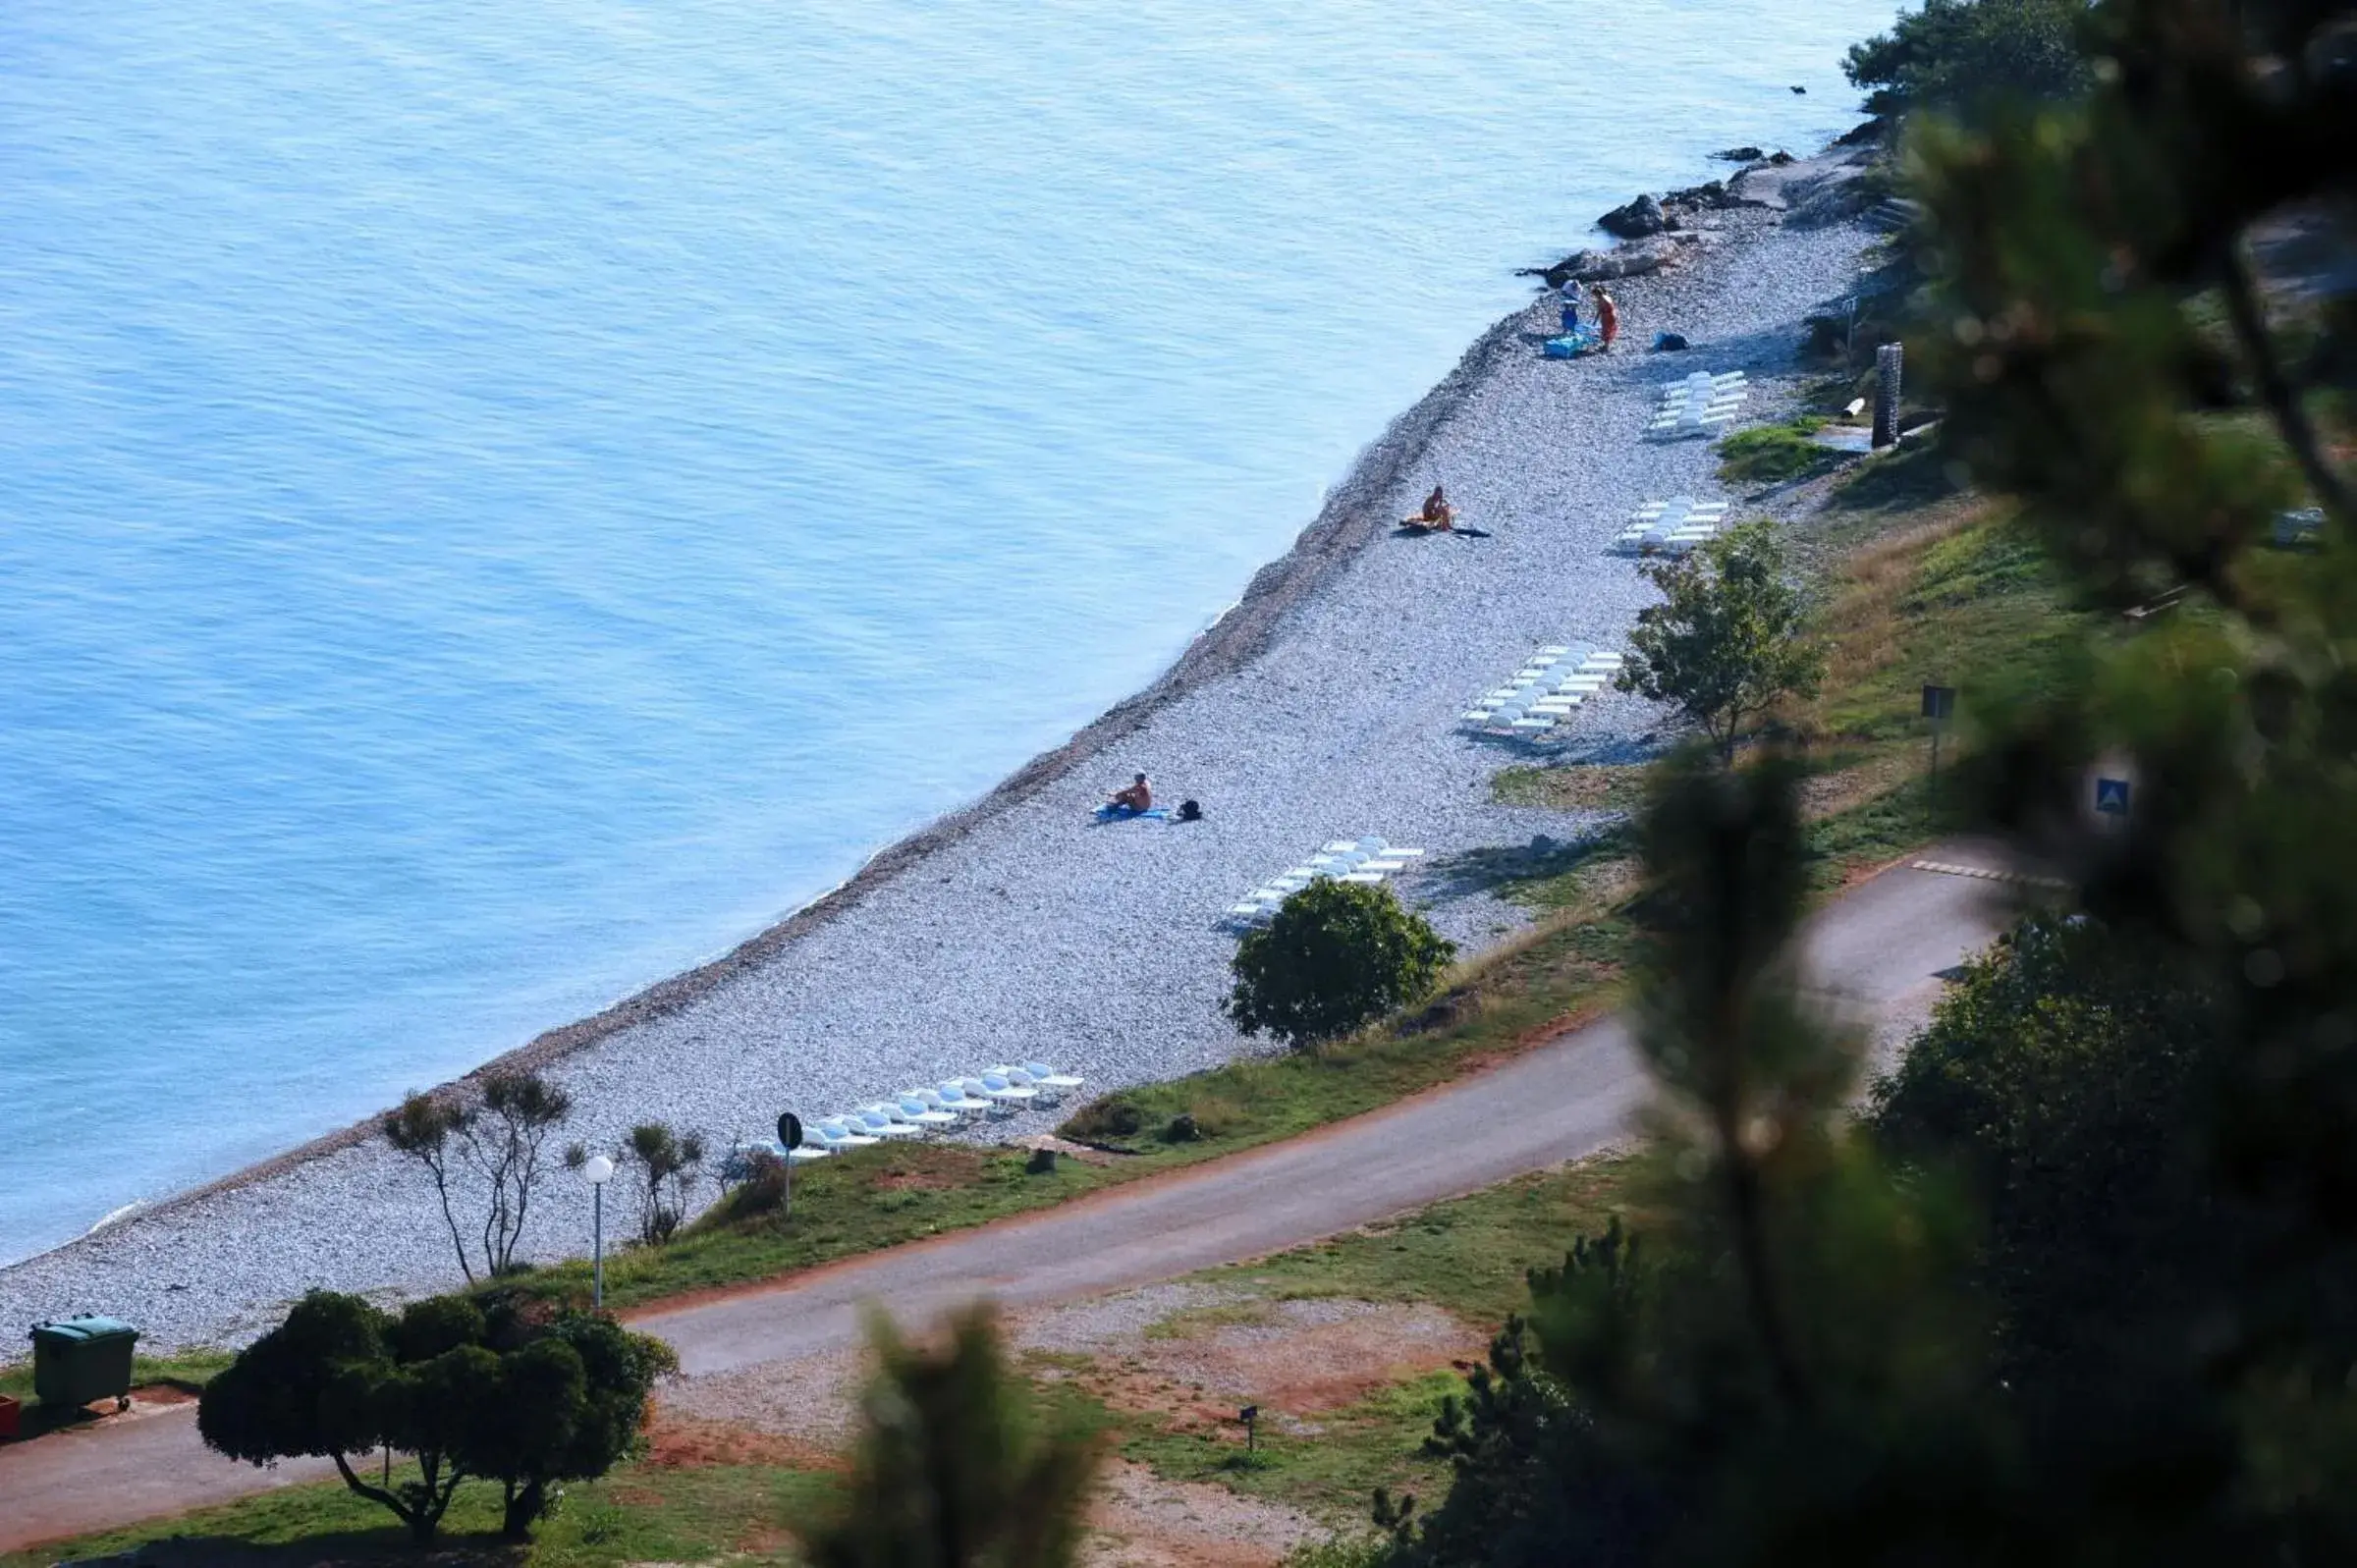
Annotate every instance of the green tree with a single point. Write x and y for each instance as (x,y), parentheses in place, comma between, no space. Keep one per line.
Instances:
(1337,956)
(1729,639)
(1959,54)
(501,1136)
(1842,1341)
(954,1466)
(667,1164)
(2059,1078)
(423,1129)
(465,1393)
(567,1404)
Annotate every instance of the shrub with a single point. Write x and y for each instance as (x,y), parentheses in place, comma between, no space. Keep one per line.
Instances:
(1181,1130)
(1110,1118)
(1337,956)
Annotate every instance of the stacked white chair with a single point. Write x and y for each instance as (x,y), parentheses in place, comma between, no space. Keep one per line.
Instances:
(1543,692)
(1361,860)
(1671,527)
(1701,401)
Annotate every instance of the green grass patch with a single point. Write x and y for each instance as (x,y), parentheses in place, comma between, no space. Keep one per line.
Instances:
(858,1202)
(189,1369)
(1582,787)
(637,1515)
(1773,454)
(1329,1472)
(1469,1255)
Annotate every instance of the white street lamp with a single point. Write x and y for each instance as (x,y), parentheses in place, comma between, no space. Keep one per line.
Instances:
(597,1170)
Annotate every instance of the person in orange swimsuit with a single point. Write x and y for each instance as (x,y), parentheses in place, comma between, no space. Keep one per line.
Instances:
(1438,515)
(1608,319)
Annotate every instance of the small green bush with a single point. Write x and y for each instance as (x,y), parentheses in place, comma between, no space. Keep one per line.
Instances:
(1110,1118)
(1181,1130)
(1338,957)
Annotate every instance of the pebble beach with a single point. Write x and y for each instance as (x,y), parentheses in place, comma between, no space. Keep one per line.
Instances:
(1325,705)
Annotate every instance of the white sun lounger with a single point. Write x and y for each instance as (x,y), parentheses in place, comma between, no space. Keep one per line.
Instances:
(927,1112)
(1047,1077)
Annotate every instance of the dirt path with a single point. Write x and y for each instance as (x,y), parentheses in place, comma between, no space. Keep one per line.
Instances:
(1878,951)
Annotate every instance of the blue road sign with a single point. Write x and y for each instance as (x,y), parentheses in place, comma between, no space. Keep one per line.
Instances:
(2112,795)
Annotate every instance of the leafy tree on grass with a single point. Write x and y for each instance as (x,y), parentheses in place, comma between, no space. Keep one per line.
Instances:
(1729,639)
(1337,956)
(954,1466)
(465,1392)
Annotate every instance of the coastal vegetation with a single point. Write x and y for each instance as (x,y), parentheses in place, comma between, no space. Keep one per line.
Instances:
(1959,55)
(2076,1284)
(466,1391)
(1730,641)
(496,1141)
(1336,956)
(2081,1278)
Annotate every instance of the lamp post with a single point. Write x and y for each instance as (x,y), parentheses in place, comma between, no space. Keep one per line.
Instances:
(597,1170)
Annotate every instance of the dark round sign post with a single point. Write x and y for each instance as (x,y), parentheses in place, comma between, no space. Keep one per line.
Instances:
(789,1138)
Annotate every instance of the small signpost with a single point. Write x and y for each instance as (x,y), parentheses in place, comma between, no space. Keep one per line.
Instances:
(789,1138)
(2111,797)
(1939,703)
(1251,1416)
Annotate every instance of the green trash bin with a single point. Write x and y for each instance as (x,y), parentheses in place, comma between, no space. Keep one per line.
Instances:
(76,1360)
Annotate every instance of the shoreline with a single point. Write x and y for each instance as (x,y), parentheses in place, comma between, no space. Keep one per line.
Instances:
(1369,637)
(1351,516)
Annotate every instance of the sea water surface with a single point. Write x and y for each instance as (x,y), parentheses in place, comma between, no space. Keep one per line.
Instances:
(498,502)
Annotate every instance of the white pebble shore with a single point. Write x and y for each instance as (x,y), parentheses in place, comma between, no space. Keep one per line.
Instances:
(1039,933)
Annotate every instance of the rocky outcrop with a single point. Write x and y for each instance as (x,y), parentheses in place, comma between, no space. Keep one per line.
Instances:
(1638,220)
(1619,261)
(1740,155)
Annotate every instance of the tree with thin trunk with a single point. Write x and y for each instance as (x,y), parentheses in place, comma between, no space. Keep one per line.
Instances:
(667,1164)
(1729,639)
(506,1137)
(502,1138)
(422,1129)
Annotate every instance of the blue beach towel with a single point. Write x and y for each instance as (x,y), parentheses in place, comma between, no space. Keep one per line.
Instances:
(1125,814)
(1572,344)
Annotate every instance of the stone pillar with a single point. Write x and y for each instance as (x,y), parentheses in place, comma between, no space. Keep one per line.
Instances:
(1885,394)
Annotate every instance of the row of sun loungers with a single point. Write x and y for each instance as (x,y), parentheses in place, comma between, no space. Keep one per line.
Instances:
(1543,692)
(1699,404)
(998,1091)
(1671,527)
(1363,860)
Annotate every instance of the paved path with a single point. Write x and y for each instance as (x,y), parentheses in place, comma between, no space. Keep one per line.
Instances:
(1879,949)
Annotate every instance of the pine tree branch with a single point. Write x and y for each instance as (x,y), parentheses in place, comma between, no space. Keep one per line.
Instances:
(2276,388)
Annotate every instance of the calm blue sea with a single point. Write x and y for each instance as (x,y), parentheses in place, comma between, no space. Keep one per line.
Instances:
(498,502)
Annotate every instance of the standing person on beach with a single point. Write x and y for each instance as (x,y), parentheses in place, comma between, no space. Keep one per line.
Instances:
(1607,317)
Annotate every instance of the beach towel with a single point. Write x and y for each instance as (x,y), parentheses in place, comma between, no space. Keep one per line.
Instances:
(1572,344)
(1125,814)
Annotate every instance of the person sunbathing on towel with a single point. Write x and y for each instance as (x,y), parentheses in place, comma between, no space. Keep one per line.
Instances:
(1137,797)
(1438,515)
